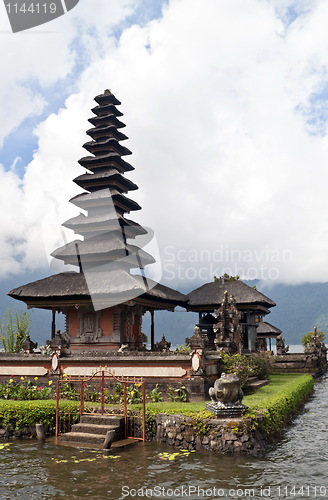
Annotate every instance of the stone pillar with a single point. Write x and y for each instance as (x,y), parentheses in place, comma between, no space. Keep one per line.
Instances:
(252,335)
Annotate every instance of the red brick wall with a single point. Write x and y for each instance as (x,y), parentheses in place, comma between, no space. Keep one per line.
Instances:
(106,321)
(73,321)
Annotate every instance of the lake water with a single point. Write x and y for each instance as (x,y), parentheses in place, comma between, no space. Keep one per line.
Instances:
(299,459)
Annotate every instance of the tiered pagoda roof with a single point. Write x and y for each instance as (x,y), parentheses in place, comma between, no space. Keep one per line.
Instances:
(105,228)
(109,249)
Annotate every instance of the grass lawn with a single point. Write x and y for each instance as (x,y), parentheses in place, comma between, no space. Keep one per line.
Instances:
(261,399)
(278,385)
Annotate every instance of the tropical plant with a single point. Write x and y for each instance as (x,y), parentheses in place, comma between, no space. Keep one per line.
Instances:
(184,349)
(178,393)
(14,328)
(310,336)
(155,395)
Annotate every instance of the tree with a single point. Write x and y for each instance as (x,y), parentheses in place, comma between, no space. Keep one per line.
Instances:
(14,328)
(308,337)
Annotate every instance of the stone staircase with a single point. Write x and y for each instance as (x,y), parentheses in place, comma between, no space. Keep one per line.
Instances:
(92,429)
(253,383)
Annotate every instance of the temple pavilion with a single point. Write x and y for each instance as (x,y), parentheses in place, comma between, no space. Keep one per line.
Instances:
(105,298)
(251,304)
(265,333)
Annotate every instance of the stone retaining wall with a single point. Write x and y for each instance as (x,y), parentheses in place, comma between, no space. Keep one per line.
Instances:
(7,432)
(223,435)
(300,363)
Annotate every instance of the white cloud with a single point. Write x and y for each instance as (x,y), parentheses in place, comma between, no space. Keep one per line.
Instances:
(216,98)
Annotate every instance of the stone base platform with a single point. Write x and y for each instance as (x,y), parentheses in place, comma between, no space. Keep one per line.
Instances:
(228,411)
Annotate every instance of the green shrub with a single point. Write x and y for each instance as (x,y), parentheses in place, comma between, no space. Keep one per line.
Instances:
(278,408)
(243,366)
(21,414)
(263,364)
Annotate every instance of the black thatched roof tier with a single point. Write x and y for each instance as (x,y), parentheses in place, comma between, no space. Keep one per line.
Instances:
(107,249)
(211,294)
(107,197)
(106,131)
(105,178)
(108,160)
(106,120)
(71,285)
(104,222)
(106,109)
(102,147)
(107,98)
(265,329)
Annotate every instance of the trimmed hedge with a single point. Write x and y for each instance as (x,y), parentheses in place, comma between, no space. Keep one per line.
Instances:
(277,409)
(18,415)
(275,403)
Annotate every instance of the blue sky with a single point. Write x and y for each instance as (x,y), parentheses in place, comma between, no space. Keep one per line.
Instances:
(226,111)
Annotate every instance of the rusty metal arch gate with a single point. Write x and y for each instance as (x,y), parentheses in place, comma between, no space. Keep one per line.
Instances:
(105,394)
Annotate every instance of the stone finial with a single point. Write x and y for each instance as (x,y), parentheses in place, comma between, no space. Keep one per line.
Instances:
(196,341)
(163,345)
(28,346)
(58,343)
(281,347)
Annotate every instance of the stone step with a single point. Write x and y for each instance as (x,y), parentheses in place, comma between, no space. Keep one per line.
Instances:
(83,437)
(96,419)
(97,429)
(256,384)
(252,379)
(122,443)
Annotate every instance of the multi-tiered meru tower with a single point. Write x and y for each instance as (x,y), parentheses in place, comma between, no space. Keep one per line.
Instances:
(105,300)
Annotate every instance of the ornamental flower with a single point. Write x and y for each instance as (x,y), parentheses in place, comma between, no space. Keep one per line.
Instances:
(36,378)
(11,381)
(50,382)
(22,378)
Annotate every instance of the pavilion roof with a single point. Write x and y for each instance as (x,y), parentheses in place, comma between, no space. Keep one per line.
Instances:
(266,329)
(72,285)
(211,294)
